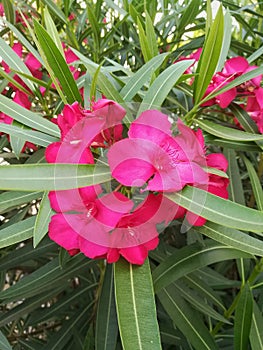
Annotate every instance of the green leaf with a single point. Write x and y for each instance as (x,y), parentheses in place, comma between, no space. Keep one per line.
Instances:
(150,36)
(9,11)
(236,145)
(218,210)
(106,322)
(136,306)
(55,10)
(4,344)
(191,258)
(10,200)
(17,232)
(226,40)
(162,85)
(185,319)
(58,64)
(143,75)
(198,303)
(50,177)
(26,117)
(244,118)
(52,30)
(45,278)
(14,62)
(243,318)
(209,57)
(255,183)
(147,55)
(17,143)
(256,330)
(232,238)
(189,15)
(235,189)
(228,132)
(36,137)
(255,55)
(42,220)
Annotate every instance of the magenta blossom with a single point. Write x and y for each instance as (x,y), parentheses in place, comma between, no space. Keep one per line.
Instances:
(193,56)
(152,155)
(233,68)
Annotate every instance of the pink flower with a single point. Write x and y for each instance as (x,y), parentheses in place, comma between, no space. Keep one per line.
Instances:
(108,112)
(152,155)
(234,67)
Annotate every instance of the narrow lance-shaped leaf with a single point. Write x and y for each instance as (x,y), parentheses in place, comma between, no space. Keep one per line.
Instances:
(185,319)
(4,342)
(256,330)
(27,117)
(243,319)
(17,232)
(228,132)
(162,85)
(14,61)
(52,30)
(51,177)
(53,7)
(209,57)
(42,220)
(233,238)
(218,210)
(136,306)
(106,322)
(58,64)
(143,75)
(235,188)
(191,258)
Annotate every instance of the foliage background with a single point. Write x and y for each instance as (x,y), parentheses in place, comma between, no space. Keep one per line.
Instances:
(208,281)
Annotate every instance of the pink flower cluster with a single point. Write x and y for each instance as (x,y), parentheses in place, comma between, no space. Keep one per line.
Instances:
(148,163)
(250,93)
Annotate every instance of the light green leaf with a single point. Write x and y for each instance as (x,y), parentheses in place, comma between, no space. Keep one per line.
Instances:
(209,57)
(150,36)
(4,344)
(235,189)
(136,306)
(243,318)
(255,183)
(255,55)
(256,330)
(244,119)
(9,11)
(228,132)
(36,137)
(26,117)
(50,177)
(58,64)
(42,220)
(226,40)
(188,16)
(17,143)
(52,30)
(185,319)
(10,200)
(236,145)
(47,277)
(55,10)
(17,232)
(143,75)
(147,55)
(14,62)
(218,210)
(162,85)
(106,322)
(232,238)
(191,258)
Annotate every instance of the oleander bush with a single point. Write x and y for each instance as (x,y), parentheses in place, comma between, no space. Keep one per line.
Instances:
(131,200)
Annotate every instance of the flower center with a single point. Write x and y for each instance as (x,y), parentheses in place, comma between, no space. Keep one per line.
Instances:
(91,210)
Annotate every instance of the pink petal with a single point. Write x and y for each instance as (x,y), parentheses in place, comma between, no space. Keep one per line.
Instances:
(92,250)
(151,125)
(135,255)
(217,160)
(130,163)
(235,65)
(32,63)
(22,99)
(194,219)
(112,112)
(62,233)
(226,98)
(113,255)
